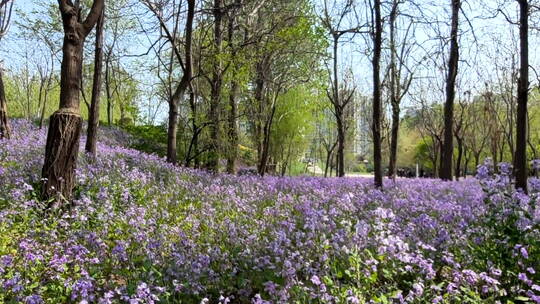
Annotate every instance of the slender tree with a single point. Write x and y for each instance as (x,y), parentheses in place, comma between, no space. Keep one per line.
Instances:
(377,107)
(186,65)
(338,101)
(93,117)
(64,132)
(216,84)
(400,81)
(445,172)
(234,88)
(6,7)
(520,159)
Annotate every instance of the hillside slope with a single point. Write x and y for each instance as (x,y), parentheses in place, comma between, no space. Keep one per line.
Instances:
(143,231)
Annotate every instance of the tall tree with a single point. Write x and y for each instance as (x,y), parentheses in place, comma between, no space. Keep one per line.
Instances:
(216,84)
(445,172)
(232,130)
(377,106)
(338,101)
(400,81)
(186,64)
(6,7)
(520,159)
(64,132)
(93,116)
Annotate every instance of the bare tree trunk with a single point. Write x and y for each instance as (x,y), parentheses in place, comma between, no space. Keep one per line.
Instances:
(5,130)
(216,85)
(392,164)
(182,86)
(394,94)
(64,132)
(341,146)
(448,142)
(459,158)
(338,109)
(232,128)
(520,159)
(47,89)
(193,144)
(233,132)
(377,107)
(93,115)
(108,91)
(172,130)
(327,163)
(265,152)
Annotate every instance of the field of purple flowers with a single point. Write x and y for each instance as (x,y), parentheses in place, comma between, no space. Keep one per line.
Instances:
(143,231)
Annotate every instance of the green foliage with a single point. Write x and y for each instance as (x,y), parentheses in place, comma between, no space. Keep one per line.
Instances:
(148,138)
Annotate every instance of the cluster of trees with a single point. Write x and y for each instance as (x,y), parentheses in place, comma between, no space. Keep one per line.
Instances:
(264,83)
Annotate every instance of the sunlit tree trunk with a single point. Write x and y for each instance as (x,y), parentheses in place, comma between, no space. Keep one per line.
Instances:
(62,146)
(93,115)
(445,172)
(5,130)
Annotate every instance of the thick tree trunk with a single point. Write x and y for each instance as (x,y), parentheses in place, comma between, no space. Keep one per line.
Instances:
(64,127)
(65,124)
(377,107)
(93,115)
(520,159)
(5,130)
(61,153)
(448,142)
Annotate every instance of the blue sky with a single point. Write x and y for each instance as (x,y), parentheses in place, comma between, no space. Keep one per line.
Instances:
(478,50)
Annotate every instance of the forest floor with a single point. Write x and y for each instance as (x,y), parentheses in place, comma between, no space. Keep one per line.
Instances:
(143,231)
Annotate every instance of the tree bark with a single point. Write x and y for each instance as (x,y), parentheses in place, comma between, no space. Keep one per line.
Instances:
(338,110)
(377,107)
(233,132)
(5,130)
(448,142)
(459,158)
(520,159)
(93,117)
(108,91)
(394,94)
(341,146)
(216,85)
(265,152)
(182,86)
(394,133)
(233,109)
(65,124)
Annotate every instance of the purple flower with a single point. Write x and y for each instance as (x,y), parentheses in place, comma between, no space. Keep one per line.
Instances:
(315,280)
(33,299)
